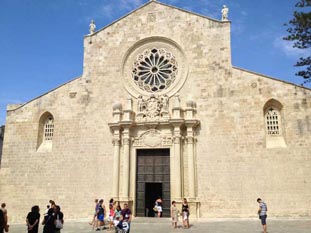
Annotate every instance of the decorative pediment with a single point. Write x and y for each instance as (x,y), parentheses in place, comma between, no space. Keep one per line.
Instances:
(153,138)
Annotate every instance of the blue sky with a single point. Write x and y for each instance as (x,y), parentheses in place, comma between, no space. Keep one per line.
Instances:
(42,40)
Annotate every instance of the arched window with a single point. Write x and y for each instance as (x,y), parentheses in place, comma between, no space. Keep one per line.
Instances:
(49,129)
(45,132)
(273,124)
(273,121)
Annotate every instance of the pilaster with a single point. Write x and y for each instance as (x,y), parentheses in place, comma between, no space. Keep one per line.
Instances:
(116,164)
(190,124)
(176,161)
(126,163)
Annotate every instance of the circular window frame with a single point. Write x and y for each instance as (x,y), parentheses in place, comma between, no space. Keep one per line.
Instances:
(155,70)
(148,44)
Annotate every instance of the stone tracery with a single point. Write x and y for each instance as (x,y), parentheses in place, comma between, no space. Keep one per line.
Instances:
(154,70)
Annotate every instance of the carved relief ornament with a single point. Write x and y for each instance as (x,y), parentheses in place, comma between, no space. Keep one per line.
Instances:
(152,138)
(153,108)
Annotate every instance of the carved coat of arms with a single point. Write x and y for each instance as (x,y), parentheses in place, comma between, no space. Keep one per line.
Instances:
(152,109)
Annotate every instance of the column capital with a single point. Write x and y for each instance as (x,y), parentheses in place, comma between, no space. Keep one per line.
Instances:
(177,139)
(190,139)
(116,141)
(126,141)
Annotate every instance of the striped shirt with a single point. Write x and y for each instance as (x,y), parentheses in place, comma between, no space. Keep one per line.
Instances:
(263,208)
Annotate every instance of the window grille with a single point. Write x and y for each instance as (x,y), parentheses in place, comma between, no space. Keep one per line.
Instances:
(273,122)
(49,129)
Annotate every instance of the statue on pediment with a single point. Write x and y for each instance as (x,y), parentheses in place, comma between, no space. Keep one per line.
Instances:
(92,27)
(224,13)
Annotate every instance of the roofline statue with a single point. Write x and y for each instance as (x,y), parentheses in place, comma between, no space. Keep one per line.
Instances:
(92,27)
(224,13)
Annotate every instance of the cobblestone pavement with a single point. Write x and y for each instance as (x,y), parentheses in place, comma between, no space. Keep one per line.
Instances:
(145,225)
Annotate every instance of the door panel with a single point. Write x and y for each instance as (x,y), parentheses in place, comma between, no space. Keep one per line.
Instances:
(153,179)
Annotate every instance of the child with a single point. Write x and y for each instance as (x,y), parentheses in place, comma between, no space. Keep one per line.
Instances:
(122,224)
(174,214)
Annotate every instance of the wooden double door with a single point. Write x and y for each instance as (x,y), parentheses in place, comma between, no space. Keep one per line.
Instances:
(152,181)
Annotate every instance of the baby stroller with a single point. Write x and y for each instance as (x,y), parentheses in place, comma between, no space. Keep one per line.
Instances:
(122,227)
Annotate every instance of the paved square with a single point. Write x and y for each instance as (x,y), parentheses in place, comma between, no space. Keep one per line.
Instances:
(145,225)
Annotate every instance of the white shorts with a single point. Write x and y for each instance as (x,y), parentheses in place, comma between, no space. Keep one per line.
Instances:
(159,208)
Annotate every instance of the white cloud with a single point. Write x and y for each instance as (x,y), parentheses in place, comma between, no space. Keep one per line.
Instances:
(287,48)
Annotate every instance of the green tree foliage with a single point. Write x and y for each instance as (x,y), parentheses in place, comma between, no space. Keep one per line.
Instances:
(300,33)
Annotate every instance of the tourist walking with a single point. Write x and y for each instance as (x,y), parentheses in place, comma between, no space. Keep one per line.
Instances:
(33,219)
(174,214)
(158,205)
(58,219)
(2,222)
(111,215)
(127,215)
(185,213)
(101,211)
(262,212)
(5,217)
(93,222)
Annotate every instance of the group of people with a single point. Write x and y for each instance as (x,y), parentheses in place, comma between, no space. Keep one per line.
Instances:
(53,219)
(185,212)
(262,213)
(115,216)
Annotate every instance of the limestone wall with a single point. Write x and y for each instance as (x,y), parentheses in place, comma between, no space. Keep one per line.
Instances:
(234,167)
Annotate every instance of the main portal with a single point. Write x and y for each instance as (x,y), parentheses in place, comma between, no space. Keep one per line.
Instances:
(152,181)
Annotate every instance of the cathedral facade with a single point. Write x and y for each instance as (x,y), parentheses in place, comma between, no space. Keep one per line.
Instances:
(160,111)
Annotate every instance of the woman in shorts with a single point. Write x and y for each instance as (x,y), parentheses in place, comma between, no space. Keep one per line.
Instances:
(185,213)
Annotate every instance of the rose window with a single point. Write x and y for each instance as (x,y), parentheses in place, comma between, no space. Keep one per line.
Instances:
(154,70)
